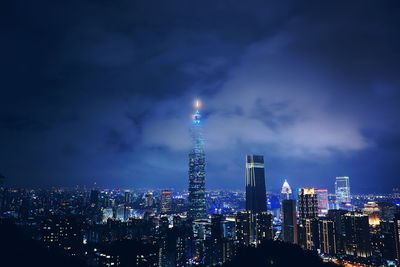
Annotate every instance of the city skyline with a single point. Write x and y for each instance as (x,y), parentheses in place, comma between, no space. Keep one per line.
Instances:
(200,133)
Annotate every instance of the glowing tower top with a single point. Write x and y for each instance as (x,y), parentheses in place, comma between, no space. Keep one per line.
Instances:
(286,191)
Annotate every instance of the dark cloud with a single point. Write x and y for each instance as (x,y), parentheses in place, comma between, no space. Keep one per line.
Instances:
(100,90)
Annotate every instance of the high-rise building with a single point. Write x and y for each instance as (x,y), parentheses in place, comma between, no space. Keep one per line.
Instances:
(337,216)
(166,201)
(255,184)
(308,203)
(342,191)
(197,173)
(264,229)
(322,196)
(397,235)
(128,196)
(308,233)
(327,236)
(357,237)
(289,221)
(216,240)
(286,192)
(388,240)
(243,227)
(148,200)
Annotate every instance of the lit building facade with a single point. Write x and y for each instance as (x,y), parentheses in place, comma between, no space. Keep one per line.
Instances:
(357,236)
(322,196)
(197,172)
(166,201)
(342,191)
(308,203)
(327,236)
(243,227)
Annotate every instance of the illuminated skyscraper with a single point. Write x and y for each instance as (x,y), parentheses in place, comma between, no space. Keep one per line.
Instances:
(166,201)
(286,192)
(322,196)
(197,173)
(255,184)
(342,191)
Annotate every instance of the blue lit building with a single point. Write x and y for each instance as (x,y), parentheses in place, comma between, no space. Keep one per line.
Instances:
(197,173)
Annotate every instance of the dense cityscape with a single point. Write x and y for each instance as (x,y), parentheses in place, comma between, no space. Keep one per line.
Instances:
(199,133)
(133,227)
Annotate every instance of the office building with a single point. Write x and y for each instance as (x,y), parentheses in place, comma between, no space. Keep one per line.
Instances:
(357,237)
(337,216)
(128,197)
(197,172)
(327,236)
(255,184)
(308,233)
(243,227)
(342,191)
(166,201)
(289,221)
(308,203)
(263,229)
(148,200)
(322,196)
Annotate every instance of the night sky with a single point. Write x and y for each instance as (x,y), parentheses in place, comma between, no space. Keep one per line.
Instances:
(103,91)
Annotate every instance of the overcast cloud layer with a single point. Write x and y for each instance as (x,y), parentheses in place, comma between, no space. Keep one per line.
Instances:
(102,91)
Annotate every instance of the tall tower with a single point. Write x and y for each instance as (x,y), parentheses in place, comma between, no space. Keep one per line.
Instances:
(255,184)
(342,191)
(197,173)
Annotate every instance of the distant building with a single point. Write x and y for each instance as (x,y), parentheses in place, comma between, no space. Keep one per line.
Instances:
(255,184)
(322,196)
(342,191)
(286,192)
(308,203)
(166,201)
(94,197)
(289,221)
(148,200)
(128,197)
(107,213)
